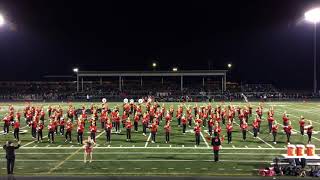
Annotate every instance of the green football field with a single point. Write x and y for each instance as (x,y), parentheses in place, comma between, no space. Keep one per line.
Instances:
(180,157)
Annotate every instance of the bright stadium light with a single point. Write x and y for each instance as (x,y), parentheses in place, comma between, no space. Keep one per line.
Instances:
(75,70)
(174,69)
(229,65)
(154,64)
(313,16)
(2,21)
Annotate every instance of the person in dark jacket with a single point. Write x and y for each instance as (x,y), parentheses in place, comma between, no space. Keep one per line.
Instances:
(216,143)
(10,155)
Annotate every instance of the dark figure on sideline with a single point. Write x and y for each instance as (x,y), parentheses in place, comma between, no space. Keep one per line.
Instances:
(10,155)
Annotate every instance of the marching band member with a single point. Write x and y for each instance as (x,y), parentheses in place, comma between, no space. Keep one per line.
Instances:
(285,119)
(6,124)
(184,124)
(61,124)
(244,129)
(270,121)
(255,126)
(128,127)
(210,126)
(302,124)
(197,130)
(93,131)
(108,130)
(229,132)
(287,130)
(274,131)
(69,126)
(217,129)
(34,125)
(309,131)
(39,131)
(154,129)
(51,128)
(136,121)
(145,122)
(88,148)
(16,126)
(167,129)
(80,130)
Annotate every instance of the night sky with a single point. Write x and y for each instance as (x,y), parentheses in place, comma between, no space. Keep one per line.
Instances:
(265,40)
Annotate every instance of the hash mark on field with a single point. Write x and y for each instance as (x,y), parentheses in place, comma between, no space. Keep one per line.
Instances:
(220,169)
(246,146)
(233,146)
(238,169)
(48,145)
(182,145)
(170,168)
(133,146)
(104,168)
(70,168)
(259,146)
(71,146)
(88,168)
(59,146)
(187,168)
(204,168)
(120,168)
(137,168)
(170,145)
(109,145)
(4,168)
(35,168)
(154,168)
(35,145)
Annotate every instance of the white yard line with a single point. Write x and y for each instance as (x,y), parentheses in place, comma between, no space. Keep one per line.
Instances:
(28,144)
(148,140)
(258,138)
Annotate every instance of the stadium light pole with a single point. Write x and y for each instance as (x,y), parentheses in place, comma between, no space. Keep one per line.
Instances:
(313,16)
(76,70)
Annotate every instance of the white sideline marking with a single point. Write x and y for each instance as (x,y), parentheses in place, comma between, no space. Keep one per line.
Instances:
(41,148)
(148,140)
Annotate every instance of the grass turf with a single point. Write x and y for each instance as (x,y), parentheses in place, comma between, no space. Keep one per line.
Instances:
(178,158)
